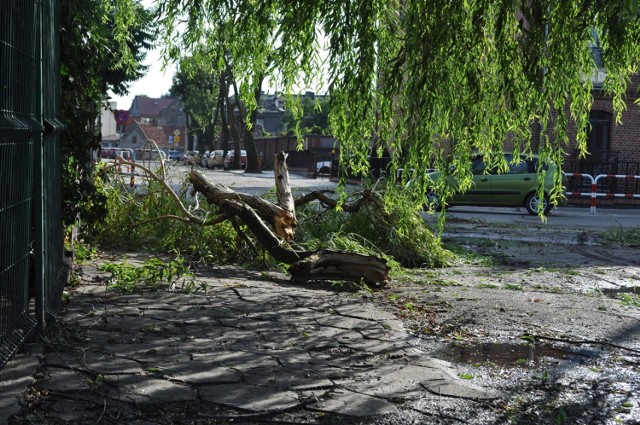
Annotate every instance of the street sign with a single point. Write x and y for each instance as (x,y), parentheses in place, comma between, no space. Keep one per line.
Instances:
(121,116)
(176,132)
(176,139)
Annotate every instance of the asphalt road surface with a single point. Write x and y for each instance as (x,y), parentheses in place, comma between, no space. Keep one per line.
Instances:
(565,217)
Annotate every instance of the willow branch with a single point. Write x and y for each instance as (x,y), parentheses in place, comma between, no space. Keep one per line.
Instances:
(189,220)
(160,180)
(332,203)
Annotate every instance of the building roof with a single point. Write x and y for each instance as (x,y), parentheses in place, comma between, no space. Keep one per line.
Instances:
(152,132)
(149,107)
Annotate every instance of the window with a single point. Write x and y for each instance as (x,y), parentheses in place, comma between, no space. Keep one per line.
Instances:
(134,139)
(521,167)
(598,137)
(477,165)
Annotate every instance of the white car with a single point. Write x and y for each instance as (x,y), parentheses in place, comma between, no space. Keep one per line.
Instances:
(215,159)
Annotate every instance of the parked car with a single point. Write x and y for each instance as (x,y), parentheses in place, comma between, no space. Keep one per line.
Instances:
(229,159)
(107,153)
(113,153)
(174,155)
(204,158)
(516,187)
(215,159)
(191,157)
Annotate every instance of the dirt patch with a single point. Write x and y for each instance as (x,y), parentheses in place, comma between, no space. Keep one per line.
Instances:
(549,316)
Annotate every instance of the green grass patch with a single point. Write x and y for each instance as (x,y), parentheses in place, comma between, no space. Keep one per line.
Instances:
(631,300)
(487,285)
(622,237)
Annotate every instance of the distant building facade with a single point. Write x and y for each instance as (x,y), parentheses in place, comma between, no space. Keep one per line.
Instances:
(159,119)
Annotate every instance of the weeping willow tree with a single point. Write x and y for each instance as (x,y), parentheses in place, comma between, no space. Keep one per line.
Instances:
(435,80)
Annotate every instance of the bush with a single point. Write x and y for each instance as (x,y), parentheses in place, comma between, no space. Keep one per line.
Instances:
(399,234)
(145,220)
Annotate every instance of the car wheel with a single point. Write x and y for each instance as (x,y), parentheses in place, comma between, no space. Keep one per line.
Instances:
(433,202)
(533,201)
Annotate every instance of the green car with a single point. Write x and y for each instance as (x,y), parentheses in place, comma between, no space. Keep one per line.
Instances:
(516,187)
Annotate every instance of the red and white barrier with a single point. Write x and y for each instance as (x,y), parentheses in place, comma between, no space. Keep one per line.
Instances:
(594,188)
(129,170)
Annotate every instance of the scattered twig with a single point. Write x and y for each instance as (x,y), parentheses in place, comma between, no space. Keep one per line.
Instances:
(160,180)
(104,410)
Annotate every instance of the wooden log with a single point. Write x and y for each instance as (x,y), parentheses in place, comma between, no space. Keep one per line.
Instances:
(341,265)
(276,216)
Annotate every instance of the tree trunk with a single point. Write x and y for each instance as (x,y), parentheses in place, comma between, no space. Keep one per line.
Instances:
(341,265)
(258,214)
(279,218)
(253,165)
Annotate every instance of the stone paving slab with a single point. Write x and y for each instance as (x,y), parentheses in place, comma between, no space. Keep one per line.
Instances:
(259,347)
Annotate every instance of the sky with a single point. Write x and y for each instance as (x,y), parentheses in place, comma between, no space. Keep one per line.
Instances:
(156,81)
(154,84)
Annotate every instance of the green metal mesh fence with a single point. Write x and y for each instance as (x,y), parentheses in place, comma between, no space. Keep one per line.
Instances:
(31,234)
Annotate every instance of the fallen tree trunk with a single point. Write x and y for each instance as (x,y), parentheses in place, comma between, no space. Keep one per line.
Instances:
(274,227)
(279,218)
(269,240)
(341,265)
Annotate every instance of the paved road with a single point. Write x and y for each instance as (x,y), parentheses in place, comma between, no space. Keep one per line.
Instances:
(251,345)
(567,217)
(260,183)
(563,217)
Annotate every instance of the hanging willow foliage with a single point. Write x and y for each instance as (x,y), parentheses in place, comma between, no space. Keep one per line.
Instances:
(434,80)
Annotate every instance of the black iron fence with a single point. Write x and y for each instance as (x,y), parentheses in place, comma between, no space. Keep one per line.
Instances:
(32,271)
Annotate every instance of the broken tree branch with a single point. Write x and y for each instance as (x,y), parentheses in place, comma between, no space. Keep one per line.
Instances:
(274,227)
(189,217)
(267,238)
(284,195)
(319,195)
(279,218)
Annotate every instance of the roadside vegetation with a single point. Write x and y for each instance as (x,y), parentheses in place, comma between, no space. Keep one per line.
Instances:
(622,237)
(149,219)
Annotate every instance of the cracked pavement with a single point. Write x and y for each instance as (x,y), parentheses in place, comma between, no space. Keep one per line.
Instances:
(251,346)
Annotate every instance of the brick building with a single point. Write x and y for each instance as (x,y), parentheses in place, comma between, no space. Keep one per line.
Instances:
(613,148)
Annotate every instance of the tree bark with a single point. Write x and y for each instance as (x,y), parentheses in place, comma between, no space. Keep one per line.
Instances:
(265,236)
(341,265)
(279,218)
(284,195)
